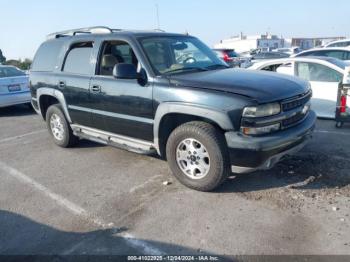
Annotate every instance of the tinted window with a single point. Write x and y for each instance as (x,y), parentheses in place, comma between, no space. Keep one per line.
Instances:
(9,71)
(259,56)
(317,72)
(231,53)
(78,60)
(335,54)
(340,44)
(311,53)
(46,56)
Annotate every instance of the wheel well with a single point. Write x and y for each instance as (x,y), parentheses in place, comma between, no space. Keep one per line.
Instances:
(171,121)
(45,102)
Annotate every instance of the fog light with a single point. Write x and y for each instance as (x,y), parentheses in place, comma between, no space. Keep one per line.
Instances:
(261,130)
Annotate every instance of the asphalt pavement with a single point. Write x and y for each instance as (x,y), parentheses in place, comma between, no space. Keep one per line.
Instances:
(95,199)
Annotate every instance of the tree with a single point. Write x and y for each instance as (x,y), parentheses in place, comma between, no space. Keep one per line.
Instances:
(24,65)
(2,58)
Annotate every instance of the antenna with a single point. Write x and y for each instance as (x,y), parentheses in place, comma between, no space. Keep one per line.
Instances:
(157,14)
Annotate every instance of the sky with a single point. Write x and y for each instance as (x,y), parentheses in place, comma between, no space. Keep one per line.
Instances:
(25,24)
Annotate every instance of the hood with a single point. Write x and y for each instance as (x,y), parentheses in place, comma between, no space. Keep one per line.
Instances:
(261,86)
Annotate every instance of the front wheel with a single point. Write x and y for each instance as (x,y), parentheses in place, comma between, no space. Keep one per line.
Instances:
(59,128)
(197,155)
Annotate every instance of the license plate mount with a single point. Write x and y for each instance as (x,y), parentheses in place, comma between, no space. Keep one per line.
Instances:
(14,88)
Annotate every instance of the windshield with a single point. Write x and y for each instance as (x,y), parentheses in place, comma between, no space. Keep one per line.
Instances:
(9,71)
(176,54)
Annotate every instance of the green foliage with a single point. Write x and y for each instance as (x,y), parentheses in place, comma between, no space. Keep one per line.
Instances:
(2,58)
(21,64)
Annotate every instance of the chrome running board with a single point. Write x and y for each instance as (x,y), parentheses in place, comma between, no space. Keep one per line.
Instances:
(123,142)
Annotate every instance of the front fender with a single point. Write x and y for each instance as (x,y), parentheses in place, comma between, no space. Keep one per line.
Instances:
(221,118)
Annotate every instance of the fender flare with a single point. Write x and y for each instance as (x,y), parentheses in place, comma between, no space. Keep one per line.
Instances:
(56,94)
(221,118)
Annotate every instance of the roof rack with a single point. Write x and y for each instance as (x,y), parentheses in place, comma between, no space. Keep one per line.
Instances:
(86,30)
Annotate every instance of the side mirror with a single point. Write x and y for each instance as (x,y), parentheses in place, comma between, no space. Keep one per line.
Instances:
(125,71)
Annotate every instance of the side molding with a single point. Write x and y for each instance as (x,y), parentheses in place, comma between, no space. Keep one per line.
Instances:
(219,117)
(54,93)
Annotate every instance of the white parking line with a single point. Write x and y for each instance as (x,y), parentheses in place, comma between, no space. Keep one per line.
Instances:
(332,132)
(21,136)
(79,211)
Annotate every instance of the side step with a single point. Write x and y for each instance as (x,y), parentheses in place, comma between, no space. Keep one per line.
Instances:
(123,142)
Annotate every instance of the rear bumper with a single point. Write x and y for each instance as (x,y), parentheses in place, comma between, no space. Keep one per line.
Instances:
(15,99)
(248,154)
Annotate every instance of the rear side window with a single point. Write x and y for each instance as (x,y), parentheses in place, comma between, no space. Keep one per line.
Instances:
(312,53)
(46,58)
(340,44)
(231,53)
(78,59)
(317,72)
(7,71)
(335,54)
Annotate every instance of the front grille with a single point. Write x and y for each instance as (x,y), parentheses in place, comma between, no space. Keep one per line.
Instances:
(293,120)
(297,102)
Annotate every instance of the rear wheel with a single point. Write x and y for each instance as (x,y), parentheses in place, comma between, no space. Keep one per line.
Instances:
(339,124)
(197,155)
(59,128)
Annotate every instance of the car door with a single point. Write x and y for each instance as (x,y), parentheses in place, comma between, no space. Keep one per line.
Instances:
(324,82)
(74,81)
(125,105)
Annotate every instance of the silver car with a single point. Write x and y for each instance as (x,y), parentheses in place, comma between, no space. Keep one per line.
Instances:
(14,86)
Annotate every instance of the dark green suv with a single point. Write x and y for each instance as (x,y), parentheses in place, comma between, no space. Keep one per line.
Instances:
(151,91)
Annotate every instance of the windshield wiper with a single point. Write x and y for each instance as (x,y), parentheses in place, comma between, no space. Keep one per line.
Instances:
(216,66)
(200,69)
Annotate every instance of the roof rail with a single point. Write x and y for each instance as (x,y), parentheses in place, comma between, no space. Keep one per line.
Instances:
(86,30)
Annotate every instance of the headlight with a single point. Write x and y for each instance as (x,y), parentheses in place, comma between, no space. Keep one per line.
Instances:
(262,110)
(260,130)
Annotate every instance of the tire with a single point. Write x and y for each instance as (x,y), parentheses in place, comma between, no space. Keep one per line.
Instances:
(63,135)
(212,168)
(339,124)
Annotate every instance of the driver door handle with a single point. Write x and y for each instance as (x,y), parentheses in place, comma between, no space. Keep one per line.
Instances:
(96,88)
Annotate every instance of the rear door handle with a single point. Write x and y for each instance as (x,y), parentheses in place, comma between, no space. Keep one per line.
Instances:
(96,89)
(61,84)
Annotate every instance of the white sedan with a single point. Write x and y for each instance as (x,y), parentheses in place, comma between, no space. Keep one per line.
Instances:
(323,73)
(14,86)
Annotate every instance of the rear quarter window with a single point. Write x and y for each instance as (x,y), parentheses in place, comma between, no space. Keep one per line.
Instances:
(78,59)
(46,58)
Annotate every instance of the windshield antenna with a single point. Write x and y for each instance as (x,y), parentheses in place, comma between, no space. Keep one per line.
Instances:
(157,15)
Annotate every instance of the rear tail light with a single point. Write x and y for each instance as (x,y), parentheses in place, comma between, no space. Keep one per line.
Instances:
(343,104)
(227,58)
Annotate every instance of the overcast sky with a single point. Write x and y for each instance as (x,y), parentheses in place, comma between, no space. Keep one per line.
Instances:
(24,24)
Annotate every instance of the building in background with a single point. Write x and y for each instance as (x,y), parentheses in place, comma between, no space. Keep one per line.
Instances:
(243,43)
(307,43)
(267,42)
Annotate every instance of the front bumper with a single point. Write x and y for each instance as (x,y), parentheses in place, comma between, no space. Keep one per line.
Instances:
(12,99)
(248,154)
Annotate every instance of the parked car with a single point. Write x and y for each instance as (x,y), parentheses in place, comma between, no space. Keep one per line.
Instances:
(267,56)
(323,73)
(127,89)
(14,86)
(335,52)
(289,50)
(229,56)
(339,43)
